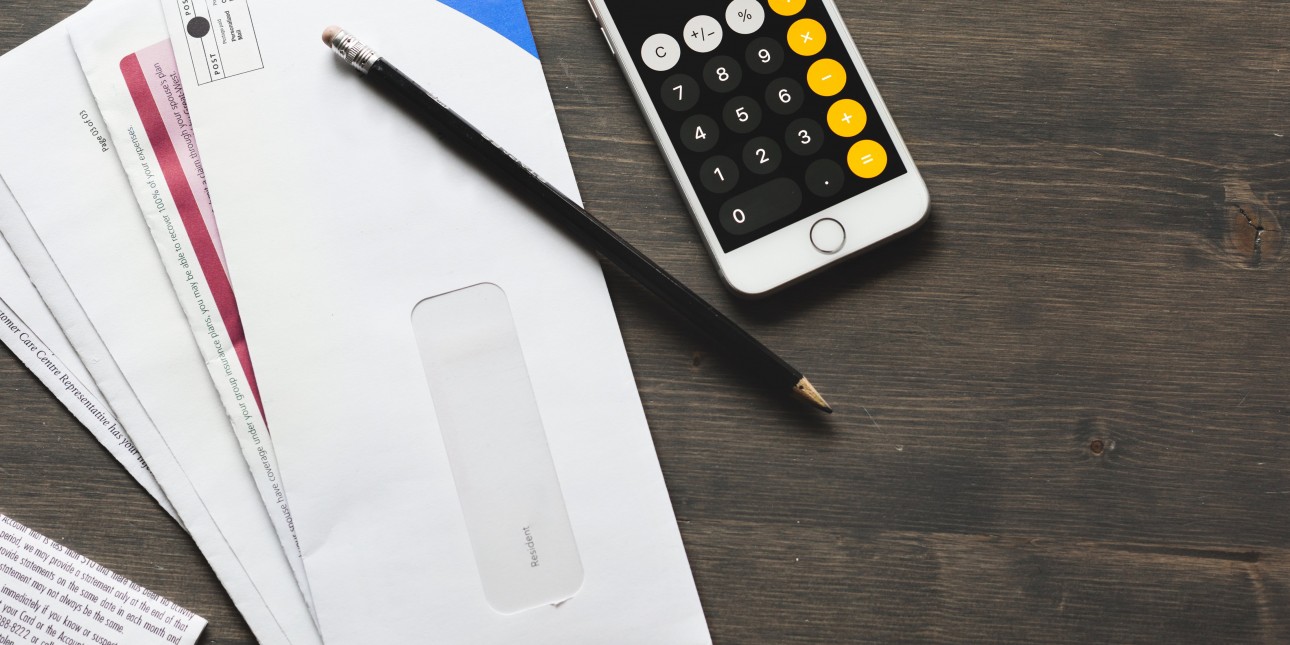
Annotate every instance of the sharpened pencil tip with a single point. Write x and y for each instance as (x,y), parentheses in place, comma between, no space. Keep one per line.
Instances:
(330,33)
(807,392)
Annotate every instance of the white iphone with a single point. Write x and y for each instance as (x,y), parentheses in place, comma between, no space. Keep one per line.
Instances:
(773,129)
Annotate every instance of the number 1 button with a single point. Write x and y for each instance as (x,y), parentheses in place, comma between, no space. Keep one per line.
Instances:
(719,174)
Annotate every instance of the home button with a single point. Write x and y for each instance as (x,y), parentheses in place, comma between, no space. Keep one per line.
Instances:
(828,236)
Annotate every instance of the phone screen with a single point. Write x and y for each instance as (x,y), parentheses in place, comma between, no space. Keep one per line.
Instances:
(764,106)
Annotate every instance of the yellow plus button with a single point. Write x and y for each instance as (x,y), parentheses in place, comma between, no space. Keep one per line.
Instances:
(847,118)
(787,7)
(807,37)
(827,77)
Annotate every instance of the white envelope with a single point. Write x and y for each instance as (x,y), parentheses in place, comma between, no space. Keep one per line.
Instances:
(79,205)
(341,217)
(51,358)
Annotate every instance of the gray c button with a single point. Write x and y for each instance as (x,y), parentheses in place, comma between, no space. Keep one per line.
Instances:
(828,236)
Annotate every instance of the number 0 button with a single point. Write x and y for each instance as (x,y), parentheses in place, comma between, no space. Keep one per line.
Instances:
(700,133)
(680,92)
(742,115)
(719,174)
(762,155)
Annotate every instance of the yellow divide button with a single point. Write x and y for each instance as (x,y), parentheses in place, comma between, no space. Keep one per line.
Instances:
(827,77)
(807,37)
(787,7)
(867,159)
(847,118)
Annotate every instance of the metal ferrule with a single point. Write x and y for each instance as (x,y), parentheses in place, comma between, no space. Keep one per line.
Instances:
(354,51)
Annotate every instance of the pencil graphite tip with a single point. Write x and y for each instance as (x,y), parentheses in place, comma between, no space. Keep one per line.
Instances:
(807,392)
(330,33)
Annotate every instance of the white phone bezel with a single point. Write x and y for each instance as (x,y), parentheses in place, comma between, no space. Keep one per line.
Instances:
(787,256)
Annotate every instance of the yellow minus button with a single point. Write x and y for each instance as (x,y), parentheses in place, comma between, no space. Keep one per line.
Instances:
(847,118)
(787,7)
(827,77)
(807,37)
(867,159)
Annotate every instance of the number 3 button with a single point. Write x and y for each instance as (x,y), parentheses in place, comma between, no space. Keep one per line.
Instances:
(699,133)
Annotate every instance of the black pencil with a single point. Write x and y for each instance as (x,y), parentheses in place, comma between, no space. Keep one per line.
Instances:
(741,346)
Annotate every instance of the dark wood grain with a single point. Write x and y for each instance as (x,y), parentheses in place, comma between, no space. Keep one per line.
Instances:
(1063,406)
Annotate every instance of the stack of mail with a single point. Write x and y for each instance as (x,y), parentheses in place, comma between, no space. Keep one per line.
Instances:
(389,402)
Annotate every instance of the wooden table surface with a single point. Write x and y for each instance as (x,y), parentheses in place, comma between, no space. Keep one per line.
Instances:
(1063,406)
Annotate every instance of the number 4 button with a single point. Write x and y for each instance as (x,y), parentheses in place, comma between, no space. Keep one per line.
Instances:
(700,133)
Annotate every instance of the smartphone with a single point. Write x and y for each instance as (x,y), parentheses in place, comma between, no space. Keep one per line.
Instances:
(772,128)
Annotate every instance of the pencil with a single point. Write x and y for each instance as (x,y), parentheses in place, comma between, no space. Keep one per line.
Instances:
(739,344)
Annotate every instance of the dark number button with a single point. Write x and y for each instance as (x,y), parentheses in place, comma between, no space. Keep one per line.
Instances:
(680,92)
(742,114)
(825,178)
(804,137)
(765,56)
(762,155)
(719,174)
(700,133)
(784,96)
(722,74)
(761,206)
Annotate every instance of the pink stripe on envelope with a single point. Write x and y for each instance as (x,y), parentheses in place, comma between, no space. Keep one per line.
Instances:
(190,214)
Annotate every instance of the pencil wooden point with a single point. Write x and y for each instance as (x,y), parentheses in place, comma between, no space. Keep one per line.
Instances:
(807,392)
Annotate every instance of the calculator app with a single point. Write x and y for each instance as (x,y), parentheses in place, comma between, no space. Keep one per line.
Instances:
(764,106)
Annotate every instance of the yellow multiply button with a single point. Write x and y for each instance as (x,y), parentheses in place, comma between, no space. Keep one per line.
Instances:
(867,159)
(807,37)
(847,118)
(787,7)
(827,77)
